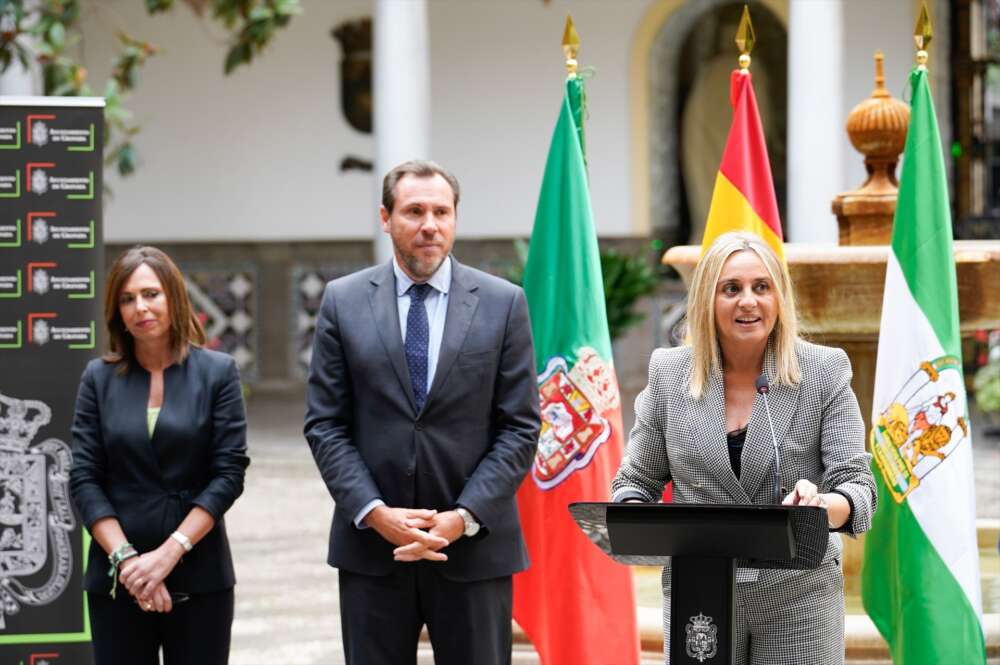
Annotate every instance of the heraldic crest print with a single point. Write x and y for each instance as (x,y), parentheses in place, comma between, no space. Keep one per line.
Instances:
(702,638)
(921,426)
(573,400)
(35,511)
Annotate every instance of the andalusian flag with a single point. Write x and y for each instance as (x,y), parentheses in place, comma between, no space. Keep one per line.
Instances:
(576,605)
(743,199)
(920,581)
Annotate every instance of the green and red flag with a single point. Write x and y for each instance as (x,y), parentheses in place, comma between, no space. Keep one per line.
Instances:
(743,198)
(576,605)
(920,579)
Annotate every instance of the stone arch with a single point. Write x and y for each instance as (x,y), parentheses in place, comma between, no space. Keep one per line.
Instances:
(656,54)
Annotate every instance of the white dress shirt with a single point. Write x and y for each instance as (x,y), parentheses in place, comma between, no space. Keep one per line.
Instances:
(436,302)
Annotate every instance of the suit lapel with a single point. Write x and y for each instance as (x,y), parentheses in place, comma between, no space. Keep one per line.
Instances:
(758,451)
(385,309)
(462,305)
(709,425)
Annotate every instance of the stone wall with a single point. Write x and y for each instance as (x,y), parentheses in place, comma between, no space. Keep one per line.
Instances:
(259,299)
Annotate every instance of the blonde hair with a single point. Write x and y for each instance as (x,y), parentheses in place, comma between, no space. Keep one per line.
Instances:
(702,335)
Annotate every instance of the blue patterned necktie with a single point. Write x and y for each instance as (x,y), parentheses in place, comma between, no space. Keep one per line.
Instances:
(417,338)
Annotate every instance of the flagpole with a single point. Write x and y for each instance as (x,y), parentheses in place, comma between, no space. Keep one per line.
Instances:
(745,39)
(571,587)
(922,35)
(570,45)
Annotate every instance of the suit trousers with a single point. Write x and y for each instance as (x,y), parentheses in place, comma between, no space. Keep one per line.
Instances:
(382,615)
(196,630)
(796,622)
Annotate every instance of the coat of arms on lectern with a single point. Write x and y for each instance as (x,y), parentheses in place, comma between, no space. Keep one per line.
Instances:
(35,513)
(702,638)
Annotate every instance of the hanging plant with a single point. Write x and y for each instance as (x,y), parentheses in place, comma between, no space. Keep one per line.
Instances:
(47,32)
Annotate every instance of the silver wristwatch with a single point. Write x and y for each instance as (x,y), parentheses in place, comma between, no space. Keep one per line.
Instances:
(471,525)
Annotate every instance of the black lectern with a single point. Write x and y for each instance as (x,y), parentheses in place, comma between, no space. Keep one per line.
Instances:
(705,543)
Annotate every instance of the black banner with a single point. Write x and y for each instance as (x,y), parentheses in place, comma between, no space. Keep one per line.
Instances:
(50,314)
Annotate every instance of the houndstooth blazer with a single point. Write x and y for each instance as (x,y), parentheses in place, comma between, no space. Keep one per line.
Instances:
(818,426)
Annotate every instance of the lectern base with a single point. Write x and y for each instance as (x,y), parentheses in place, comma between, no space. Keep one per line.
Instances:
(702,597)
(705,541)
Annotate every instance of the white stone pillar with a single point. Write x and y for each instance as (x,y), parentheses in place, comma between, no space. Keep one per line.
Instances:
(20,82)
(401,90)
(816,137)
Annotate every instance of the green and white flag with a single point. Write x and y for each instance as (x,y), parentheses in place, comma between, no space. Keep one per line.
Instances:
(920,581)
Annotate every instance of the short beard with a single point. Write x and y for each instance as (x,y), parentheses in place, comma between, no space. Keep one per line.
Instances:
(421,269)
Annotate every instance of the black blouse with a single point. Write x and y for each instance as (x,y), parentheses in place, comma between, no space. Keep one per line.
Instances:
(735,440)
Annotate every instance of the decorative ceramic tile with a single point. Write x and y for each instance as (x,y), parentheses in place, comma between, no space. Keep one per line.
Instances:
(308,283)
(225,298)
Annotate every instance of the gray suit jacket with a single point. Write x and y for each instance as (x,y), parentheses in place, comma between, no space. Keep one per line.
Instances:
(817,423)
(470,445)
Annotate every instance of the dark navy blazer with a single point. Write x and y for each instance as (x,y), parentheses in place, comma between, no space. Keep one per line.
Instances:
(470,445)
(195,457)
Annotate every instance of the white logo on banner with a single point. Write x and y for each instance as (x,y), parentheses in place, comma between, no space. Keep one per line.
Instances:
(35,511)
(39,181)
(40,282)
(40,332)
(39,133)
(40,231)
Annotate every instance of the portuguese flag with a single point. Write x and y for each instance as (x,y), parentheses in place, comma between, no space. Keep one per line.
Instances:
(920,580)
(576,605)
(743,198)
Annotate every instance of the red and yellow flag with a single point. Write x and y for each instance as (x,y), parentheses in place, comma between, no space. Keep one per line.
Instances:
(743,199)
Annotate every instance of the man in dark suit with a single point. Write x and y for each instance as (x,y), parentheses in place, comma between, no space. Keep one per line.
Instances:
(423,419)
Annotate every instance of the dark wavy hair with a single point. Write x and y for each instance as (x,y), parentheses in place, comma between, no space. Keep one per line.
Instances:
(185,328)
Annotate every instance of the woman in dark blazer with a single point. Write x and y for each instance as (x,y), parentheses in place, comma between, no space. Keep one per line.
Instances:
(699,422)
(159,455)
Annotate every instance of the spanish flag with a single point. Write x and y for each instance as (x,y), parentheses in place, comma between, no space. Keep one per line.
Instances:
(743,199)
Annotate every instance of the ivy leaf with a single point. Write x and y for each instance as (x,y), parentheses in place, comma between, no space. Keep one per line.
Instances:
(233,58)
(158,6)
(238,55)
(286,8)
(57,35)
(126,160)
(261,13)
(23,55)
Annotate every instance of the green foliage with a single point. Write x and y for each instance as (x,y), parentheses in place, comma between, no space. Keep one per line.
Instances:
(626,280)
(987,385)
(48,32)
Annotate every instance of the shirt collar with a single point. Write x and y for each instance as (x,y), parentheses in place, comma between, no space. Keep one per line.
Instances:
(440,280)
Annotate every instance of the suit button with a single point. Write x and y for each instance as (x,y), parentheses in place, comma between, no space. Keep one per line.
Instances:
(419,427)
(409,473)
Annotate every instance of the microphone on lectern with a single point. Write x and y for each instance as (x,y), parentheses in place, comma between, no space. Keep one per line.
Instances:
(762,389)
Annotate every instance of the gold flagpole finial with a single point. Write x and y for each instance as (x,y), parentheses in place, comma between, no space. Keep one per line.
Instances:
(922,35)
(745,39)
(570,45)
